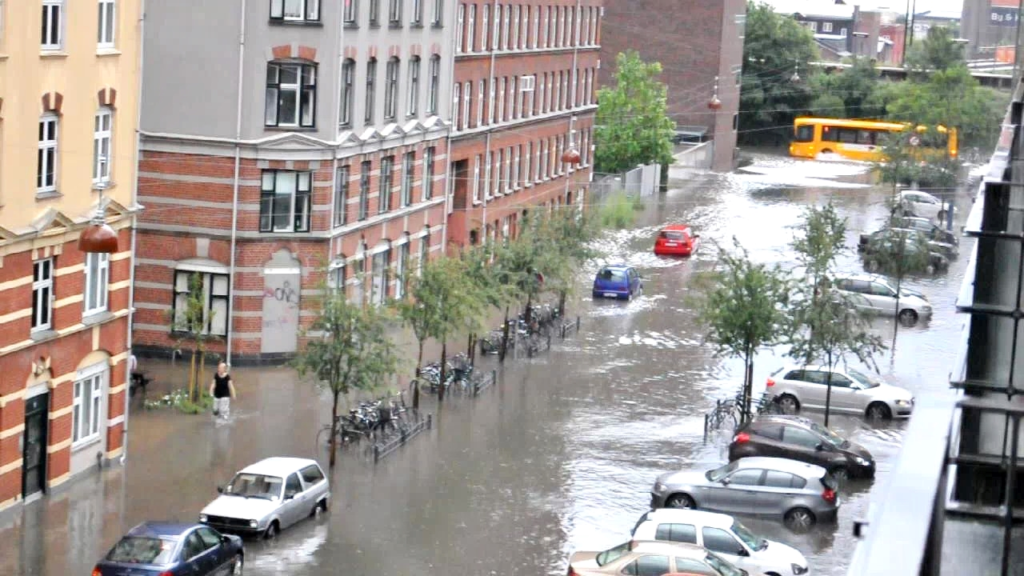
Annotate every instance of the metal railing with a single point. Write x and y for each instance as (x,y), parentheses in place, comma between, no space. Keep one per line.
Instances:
(393,442)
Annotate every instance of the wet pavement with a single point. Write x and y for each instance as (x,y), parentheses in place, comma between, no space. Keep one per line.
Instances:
(560,455)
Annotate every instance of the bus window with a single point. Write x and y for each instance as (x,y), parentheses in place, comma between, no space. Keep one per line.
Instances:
(829,134)
(847,136)
(866,137)
(805,133)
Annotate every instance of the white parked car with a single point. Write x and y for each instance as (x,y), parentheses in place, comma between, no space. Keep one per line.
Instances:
(923,205)
(874,295)
(723,535)
(853,392)
(268,496)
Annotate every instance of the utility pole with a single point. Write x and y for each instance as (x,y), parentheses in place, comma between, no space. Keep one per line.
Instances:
(906,34)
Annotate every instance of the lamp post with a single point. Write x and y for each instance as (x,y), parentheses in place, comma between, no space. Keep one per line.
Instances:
(98,237)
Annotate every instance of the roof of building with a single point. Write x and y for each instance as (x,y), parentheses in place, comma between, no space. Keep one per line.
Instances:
(813,8)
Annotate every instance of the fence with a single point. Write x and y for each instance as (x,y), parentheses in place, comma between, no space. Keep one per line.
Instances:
(382,448)
(726,411)
(569,326)
(697,156)
(642,181)
(482,380)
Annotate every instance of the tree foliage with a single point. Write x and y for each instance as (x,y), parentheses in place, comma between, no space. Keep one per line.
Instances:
(192,324)
(938,51)
(632,126)
(848,93)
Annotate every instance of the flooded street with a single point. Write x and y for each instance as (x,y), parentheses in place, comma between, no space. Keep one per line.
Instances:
(559,456)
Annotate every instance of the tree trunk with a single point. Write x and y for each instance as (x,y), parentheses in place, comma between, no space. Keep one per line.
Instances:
(199,375)
(416,381)
(444,369)
(748,385)
(472,350)
(192,377)
(562,295)
(528,313)
(504,338)
(333,445)
(828,388)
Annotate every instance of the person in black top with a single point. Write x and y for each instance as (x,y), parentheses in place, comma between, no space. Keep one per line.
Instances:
(222,388)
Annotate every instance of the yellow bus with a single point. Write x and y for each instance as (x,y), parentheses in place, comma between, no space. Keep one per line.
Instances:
(860,139)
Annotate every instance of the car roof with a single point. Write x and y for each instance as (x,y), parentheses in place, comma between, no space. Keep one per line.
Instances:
(677,548)
(162,529)
(792,419)
(278,466)
(916,192)
(615,267)
(782,465)
(862,277)
(677,515)
(677,227)
(822,368)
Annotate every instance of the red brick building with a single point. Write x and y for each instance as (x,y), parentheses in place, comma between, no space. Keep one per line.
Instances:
(695,41)
(524,93)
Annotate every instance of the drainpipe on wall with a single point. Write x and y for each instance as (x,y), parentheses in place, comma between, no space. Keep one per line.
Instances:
(135,219)
(332,241)
(570,170)
(234,191)
(491,88)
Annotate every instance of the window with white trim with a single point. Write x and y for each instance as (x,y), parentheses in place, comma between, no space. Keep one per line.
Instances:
(374,12)
(408,172)
(391,89)
(295,10)
(414,86)
(46,166)
(481,96)
(424,250)
(101,149)
(53,25)
(467,103)
(364,189)
(87,405)
(291,95)
(471,30)
(417,12)
(487,176)
(435,83)
(499,183)
(524,28)
(506,187)
(107,24)
(490,101)
(496,33)
(485,27)
(505,28)
(97,281)
(540,94)
(545,27)
(501,100)
(206,311)
(351,13)
(826,27)
(515,168)
(428,172)
(284,201)
(379,277)
(348,78)
(336,276)
(42,294)
(536,28)
(395,12)
(460,29)
(457,107)
(514,40)
(341,196)
(401,269)
(387,165)
(476,178)
(371,89)
(438,13)
(527,180)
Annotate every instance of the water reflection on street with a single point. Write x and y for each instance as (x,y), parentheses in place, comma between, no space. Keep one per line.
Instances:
(559,456)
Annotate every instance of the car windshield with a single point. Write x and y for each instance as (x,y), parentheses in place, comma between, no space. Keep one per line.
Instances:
(866,379)
(608,274)
(829,435)
(612,554)
(719,473)
(752,540)
(672,235)
(255,486)
(724,567)
(142,550)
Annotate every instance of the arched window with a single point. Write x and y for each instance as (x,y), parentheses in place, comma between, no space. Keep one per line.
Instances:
(291,94)
(348,74)
(391,89)
(412,108)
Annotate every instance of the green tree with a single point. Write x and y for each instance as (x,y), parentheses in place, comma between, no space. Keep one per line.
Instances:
(348,349)
(775,46)
(742,308)
(847,93)
(824,325)
(633,126)
(938,51)
(567,235)
(192,323)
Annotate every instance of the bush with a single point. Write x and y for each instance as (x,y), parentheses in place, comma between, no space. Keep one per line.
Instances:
(618,212)
(638,203)
(179,399)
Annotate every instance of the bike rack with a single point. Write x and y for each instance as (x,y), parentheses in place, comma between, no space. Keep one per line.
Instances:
(485,380)
(382,449)
(569,327)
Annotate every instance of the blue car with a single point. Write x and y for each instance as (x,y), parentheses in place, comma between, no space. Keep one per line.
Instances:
(617,281)
(169,549)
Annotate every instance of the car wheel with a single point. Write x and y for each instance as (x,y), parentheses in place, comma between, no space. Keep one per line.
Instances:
(679,501)
(800,520)
(271,531)
(878,411)
(908,317)
(319,509)
(840,473)
(789,404)
(238,565)
(870,265)
(942,216)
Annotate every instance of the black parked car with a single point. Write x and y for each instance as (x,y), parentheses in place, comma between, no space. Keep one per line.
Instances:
(803,439)
(888,242)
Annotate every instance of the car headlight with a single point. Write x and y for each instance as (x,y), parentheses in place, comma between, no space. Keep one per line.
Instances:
(659,487)
(904,403)
(203,518)
(861,461)
(798,569)
(253,523)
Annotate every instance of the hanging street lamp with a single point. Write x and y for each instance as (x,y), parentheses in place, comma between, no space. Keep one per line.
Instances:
(98,237)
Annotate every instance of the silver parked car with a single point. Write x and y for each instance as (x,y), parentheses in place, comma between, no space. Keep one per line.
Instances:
(801,494)
(922,205)
(874,295)
(853,392)
(268,496)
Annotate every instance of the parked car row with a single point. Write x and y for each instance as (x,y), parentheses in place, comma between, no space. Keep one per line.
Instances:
(260,500)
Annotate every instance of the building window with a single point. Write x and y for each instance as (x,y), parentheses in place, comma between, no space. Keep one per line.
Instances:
(42,294)
(438,18)
(379,275)
(505,28)
(506,187)
(476,179)
(826,27)
(460,29)
(457,107)
(524,25)
(374,12)
(536,27)
(527,181)
(101,146)
(53,25)
(336,276)
(536,166)
(435,82)
(481,96)
(428,173)
(467,103)
(499,184)
(471,30)
(401,268)
(514,40)
(384,195)
(295,10)
(107,24)
(496,34)
(424,250)
(501,100)
(395,12)
(46,167)
(291,95)
(86,406)
(487,176)
(408,171)
(485,27)
(371,88)
(212,296)
(97,277)
(351,13)
(490,101)
(515,169)
(364,190)
(414,86)
(391,89)
(284,201)
(842,32)
(341,196)
(348,73)
(417,12)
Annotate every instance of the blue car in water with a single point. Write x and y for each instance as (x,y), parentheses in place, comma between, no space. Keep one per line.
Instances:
(173,549)
(617,281)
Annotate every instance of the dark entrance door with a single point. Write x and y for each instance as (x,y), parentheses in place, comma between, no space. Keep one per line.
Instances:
(34,450)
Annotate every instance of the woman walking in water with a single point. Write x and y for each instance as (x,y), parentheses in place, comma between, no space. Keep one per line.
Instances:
(222,388)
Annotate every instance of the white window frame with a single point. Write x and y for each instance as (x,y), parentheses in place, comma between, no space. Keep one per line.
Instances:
(524,27)
(527,177)
(487,177)
(401,269)
(408,173)
(47,160)
(490,107)
(97,284)
(536,27)
(498,182)
(515,168)
(467,104)
(429,156)
(826,27)
(308,10)
(47,40)
(208,280)
(350,14)
(515,26)
(501,100)
(42,294)
(471,29)
(438,18)
(496,36)
(300,199)
(476,179)
(460,29)
(304,89)
(391,88)
(507,188)
(485,28)
(102,145)
(107,25)
(505,27)
(417,12)
(457,106)
(480,103)
(87,404)
(414,86)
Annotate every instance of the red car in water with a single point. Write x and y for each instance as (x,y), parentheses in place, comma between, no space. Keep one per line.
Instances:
(676,240)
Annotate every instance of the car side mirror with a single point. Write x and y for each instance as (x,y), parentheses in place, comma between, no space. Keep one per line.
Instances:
(289,495)
(220,489)
(820,448)
(225,540)
(742,552)
(725,481)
